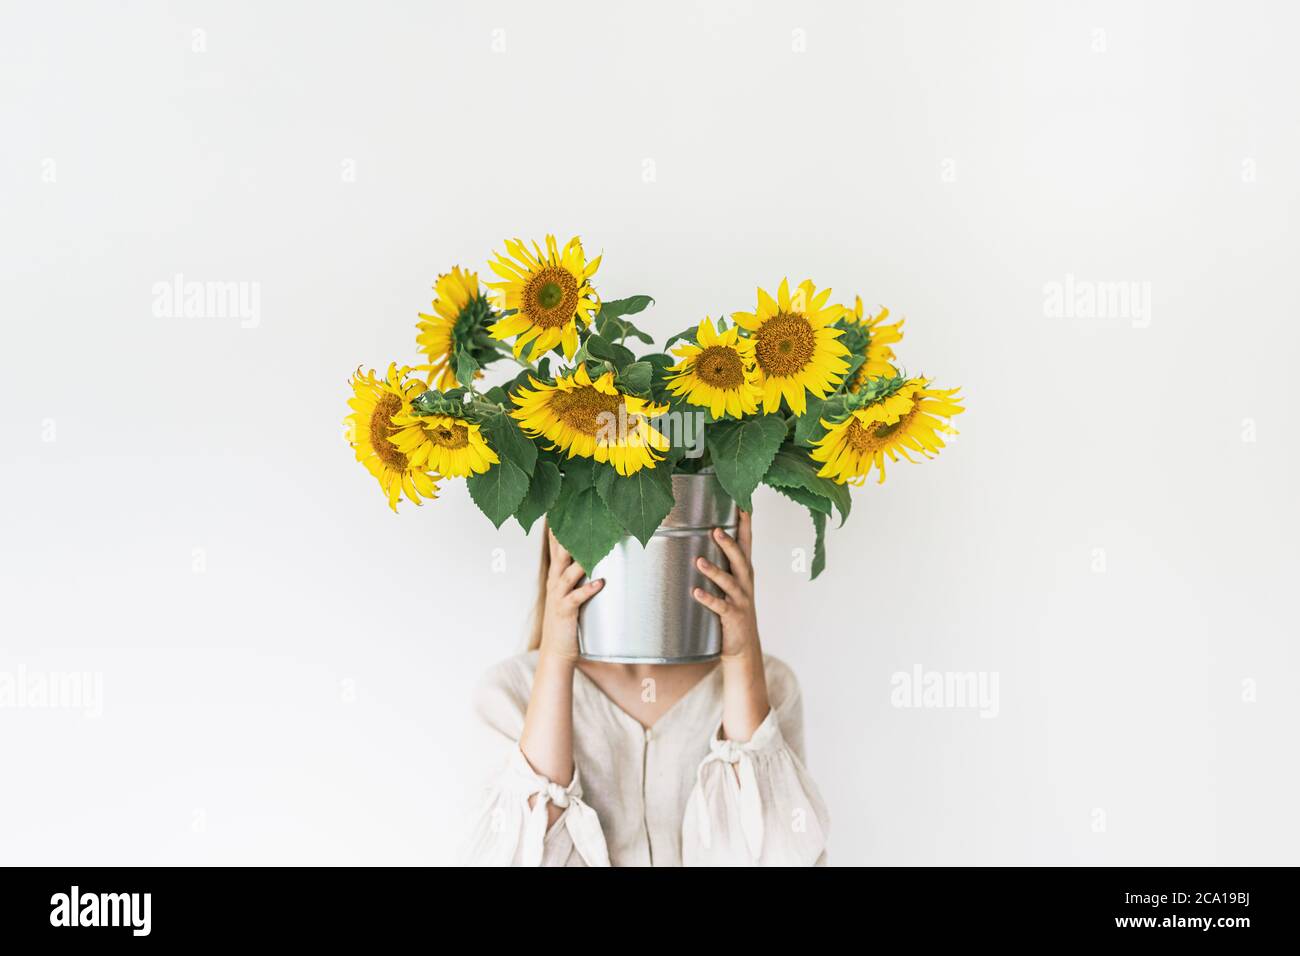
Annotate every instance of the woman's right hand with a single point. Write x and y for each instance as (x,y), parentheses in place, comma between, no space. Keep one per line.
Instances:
(565,595)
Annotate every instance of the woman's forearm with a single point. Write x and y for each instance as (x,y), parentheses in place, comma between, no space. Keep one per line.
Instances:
(744,692)
(547,739)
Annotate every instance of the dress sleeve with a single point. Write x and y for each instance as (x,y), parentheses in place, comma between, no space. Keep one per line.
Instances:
(754,803)
(510,826)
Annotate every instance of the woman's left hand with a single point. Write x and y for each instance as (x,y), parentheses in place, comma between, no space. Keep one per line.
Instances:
(736,606)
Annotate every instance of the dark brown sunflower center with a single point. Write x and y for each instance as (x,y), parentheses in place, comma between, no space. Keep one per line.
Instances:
(785,344)
(720,367)
(381,426)
(551,297)
(587,410)
(450,436)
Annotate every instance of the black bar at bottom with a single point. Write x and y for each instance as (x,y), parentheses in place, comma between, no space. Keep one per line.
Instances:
(342,906)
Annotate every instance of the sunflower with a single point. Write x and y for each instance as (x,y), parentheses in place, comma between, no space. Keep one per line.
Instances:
(592,420)
(452,447)
(374,402)
(459,310)
(550,292)
(879,338)
(907,416)
(795,345)
(717,372)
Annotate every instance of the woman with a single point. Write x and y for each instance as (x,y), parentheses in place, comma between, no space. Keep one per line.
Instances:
(642,764)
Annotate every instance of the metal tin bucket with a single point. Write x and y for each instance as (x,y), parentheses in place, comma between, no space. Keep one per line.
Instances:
(645,613)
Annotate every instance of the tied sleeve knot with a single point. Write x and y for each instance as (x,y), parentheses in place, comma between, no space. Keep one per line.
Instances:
(555,794)
(580,819)
(726,751)
(742,783)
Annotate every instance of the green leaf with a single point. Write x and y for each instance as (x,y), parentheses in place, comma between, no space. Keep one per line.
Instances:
(640,501)
(819,544)
(803,423)
(505,438)
(687,434)
(635,378)
(611,324)
(600,348)
(792,468)
(553,455)
(687,335)
(542,492)
(659,371)
(466,366)
(672,457)
(808,427)
(806,498)
(499,490)
(629,306)
(580,519)
(742,451)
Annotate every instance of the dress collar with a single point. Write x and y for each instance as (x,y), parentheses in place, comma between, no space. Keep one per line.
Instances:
(705,686)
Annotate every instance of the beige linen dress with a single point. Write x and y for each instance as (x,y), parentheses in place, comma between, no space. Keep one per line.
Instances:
(672,795)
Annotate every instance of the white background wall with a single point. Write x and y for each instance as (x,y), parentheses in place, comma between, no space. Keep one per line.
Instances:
(287,667)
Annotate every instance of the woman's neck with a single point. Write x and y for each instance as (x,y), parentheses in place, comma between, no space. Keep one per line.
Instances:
(645,691)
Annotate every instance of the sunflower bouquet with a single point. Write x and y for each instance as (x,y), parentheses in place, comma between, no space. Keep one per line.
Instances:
(801,394)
